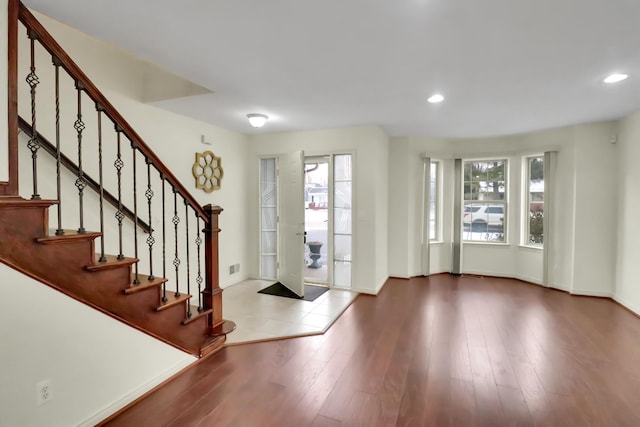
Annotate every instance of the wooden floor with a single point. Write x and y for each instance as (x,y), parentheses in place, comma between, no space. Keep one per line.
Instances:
(438,351)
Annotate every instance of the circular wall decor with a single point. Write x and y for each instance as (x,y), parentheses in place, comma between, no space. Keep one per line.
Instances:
(207,170)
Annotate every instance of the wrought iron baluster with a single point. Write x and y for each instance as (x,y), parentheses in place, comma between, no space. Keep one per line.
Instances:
(99,109)
(186,219)
(199,279)
(57,64)
(150,239)
(176,221)
(119,164)
(136,278)
(164,241)
(80,182)
(33,144)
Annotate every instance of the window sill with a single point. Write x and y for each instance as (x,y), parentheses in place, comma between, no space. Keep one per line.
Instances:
(436,242)
(496,244)
(531,248)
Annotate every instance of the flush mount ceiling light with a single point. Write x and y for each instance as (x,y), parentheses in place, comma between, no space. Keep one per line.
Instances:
(257,120)
(434,99)
(615,78)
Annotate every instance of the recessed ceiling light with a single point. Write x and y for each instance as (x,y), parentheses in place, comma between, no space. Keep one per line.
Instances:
(434,99)
(614,78)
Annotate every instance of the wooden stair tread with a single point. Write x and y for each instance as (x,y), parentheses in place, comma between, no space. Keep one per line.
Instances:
(144,284)
(14,202)
(195,314)
(111,262)
(224,328)
(172,300)
(69,235)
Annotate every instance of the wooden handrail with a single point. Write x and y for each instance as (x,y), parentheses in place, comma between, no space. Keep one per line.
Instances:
(91,183)
(211,294)
(48,42)
(10,188)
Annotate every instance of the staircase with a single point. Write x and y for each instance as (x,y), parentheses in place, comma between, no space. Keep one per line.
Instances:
(74,261)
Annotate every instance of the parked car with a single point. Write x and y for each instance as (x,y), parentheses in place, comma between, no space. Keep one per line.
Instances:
(484,218)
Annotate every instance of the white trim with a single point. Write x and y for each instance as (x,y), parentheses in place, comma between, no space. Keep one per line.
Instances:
(130,397)
(487,243)
(588,293)
(491,155)
(530,248)
(488,273)
(403,276)
(558,287)
(381,284)
(436,272)
(426,215)
(529,279)
(550,165)
(376,290)
(635,309)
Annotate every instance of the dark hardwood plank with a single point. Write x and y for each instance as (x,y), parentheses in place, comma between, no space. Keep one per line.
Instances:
(440,351)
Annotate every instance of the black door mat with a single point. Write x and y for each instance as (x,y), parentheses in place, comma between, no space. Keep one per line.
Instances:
(311,292)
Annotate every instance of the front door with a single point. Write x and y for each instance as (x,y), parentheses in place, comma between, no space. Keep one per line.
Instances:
(291,250)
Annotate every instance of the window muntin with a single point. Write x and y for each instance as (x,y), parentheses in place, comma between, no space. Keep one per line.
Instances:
(534,208)
(485,205)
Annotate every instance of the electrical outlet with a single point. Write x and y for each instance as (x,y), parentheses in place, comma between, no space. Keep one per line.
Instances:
(44,392)
(236,268)
(231,269)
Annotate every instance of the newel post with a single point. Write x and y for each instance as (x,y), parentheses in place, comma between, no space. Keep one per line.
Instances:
(10,188)
(212,294)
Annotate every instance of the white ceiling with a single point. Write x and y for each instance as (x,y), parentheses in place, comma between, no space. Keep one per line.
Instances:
(504,66)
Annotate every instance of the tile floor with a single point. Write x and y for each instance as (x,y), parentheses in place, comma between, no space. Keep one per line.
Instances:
(263,317)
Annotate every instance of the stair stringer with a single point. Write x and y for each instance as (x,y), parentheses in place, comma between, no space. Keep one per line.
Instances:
(63,266)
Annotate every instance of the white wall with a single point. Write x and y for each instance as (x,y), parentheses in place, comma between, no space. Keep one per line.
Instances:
(370,148)
(94,363)
(174,138)
(398,213)
(627,289)
(379,144)
(595,209)
(582,255)
(4,165)
(79,349)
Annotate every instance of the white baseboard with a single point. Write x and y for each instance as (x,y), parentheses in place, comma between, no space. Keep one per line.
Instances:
(381,284)
(529,279)
(589,293)
(130,397)
(399,276)
(634,308)
(486,273)
(363,291)
(233,281)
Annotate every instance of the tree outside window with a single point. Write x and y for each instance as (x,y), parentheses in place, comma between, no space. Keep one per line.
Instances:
(535,201)
(485,205)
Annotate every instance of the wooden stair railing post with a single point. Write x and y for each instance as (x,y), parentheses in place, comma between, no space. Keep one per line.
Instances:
(212,294)
(10,188)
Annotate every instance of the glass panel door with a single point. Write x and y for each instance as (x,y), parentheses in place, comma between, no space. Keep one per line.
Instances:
(316,216)
(342,220)
(268,219)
